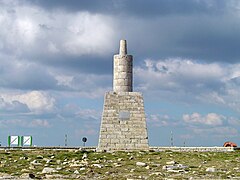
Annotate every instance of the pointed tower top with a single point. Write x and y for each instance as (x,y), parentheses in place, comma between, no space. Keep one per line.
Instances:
(123,47)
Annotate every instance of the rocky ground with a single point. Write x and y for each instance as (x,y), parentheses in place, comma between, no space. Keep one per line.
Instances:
(77,164)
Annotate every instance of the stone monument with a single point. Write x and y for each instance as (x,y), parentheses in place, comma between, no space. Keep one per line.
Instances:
(123,125)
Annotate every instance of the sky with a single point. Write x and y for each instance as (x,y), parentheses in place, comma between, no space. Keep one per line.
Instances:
(56,62)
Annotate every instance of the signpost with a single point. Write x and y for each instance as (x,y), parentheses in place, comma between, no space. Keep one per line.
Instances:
(20,140)
(14,140)
(26,141)
(84,139)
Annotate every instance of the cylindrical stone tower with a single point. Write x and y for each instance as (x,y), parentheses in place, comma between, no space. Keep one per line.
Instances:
(122,72)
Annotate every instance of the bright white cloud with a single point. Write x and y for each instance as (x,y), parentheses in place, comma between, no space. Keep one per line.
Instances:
(211,119)
(36,101)
(32,30)
(186,80)
(88,34)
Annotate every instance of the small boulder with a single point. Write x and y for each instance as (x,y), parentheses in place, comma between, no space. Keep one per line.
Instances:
(48,170)
(84,156)
(141,164)
(171,162)
(76,172)
(39,157)
(35,163)
(97,165)
(82,169)
(211,169)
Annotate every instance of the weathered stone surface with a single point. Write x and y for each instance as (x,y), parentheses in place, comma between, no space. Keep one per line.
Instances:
(122,70)
(123,134)
(123,125)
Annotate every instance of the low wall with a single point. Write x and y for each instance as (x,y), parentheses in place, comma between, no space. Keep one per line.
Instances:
(156,148)
(190,149)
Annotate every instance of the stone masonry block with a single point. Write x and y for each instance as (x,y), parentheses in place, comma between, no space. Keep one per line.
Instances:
(117,134)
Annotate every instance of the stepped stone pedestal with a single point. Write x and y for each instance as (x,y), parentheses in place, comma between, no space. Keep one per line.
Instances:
(123,125)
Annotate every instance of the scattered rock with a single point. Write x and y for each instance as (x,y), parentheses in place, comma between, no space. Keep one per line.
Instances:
(211,169)
(31,176)
(171,162)
(39,157)
(141,164)
(64,163)
(48,170)
(23,158)
(76,172)
(55,176)
(156,173)
(84,156)
(35,163)
(97,165)
(24,176)
(59,168)
(24,170)
(177,167)
(82,169)
(120,159)
(130,158)
(76,165)
(48,161)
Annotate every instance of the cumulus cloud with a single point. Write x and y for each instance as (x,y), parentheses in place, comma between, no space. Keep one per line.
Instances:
(187,80)
(36,101)
(32,30)
(53,52)
(180,73)
(13,106)
(211,119)
(16,74)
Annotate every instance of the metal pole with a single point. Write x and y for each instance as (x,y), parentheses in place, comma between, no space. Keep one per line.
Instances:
(65,139)
(171,138)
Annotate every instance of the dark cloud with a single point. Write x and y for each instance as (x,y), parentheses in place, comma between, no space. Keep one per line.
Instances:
(28,77)
(140,8)
(205,38)
(83,64)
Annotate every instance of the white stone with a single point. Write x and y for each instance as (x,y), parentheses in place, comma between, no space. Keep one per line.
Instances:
(141,164)
(97,165)
(35,163)
(76,172)
(211,169)
(171,162)
(48,170)
(84,156)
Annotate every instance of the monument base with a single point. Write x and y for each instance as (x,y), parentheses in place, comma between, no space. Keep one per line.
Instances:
(123,125)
